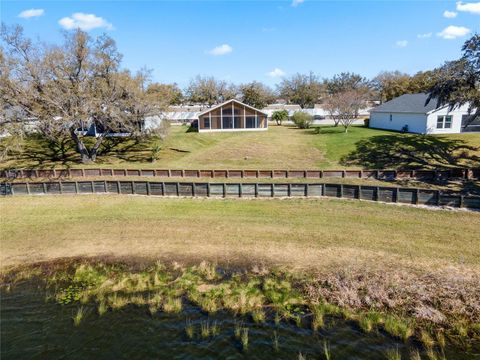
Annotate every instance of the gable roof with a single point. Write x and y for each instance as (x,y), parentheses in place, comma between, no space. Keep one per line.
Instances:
(408,103)
(229,101)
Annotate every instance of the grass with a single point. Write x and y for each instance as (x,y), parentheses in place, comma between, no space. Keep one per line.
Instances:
(393,354)
(279,147)
(244,339)
(79,315)
(399,327)
(303,233)
(189,329)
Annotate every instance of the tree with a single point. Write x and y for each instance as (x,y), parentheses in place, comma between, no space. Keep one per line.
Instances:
(458,82)
(302,120)
(68,87)
(256,94)
(344,107)
(165,94)
(279,116)
(346,81)
(304,90)
(209,91)
(391,84)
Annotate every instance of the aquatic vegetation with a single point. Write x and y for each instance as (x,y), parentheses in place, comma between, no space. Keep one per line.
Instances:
(172,305)
(208,270)
(426,339)
(415,355)
(244,338)
(256,293)
(370,320)
(258,316)
(205,329)
(393,354)
(326,350)
(301,356)
(215,329)
(277,318)
(137,300)
(79,315)
(69,295)
(275,341)
(238,330)
(318,317)
(117,301)
(441,339)
(90,275)
(102,308)
(189,329)
(398,327)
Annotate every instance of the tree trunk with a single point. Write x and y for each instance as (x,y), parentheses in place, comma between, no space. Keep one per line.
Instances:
(94,150)
(81,148)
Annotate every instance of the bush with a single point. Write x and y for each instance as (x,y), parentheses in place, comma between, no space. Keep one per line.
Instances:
(302,120)
(366,122)
(279,116)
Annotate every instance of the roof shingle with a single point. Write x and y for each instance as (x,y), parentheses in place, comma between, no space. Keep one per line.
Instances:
(408,103)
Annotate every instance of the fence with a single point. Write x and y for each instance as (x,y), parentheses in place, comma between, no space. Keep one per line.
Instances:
(439,174)
(371,193)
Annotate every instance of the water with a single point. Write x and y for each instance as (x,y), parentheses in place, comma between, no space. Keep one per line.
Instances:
(32,328)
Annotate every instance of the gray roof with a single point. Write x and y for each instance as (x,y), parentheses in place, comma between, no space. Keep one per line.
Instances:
(408,103)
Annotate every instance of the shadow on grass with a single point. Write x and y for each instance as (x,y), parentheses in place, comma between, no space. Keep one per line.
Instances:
(39,152)
(401,151)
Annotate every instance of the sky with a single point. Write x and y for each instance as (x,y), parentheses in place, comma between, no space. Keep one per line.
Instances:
(242,41)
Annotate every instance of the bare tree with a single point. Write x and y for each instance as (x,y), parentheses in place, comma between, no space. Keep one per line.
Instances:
(344,107)
(69,87)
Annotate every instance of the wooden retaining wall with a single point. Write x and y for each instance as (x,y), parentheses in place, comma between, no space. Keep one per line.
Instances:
(371,193)
(438,175)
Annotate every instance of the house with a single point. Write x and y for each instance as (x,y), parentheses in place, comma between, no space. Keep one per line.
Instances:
(411,113)
(232,115)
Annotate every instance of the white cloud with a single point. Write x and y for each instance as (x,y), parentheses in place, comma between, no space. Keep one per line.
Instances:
(453,32)
(424,36)
(27,14)
(401,43)
(276,73)
(449,14)
(473,8)
(84,22)
(295,3)
(221,50)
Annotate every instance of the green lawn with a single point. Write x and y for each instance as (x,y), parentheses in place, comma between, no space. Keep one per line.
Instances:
(280,147)
(301,233)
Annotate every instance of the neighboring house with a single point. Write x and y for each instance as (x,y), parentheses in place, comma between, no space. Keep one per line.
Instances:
(411,113)
(319,114)
(232,115)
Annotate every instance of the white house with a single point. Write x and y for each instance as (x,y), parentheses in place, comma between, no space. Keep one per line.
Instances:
(411,113)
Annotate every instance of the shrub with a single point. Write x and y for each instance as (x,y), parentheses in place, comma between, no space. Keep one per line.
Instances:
(366,122)
(279,116)
(302,120)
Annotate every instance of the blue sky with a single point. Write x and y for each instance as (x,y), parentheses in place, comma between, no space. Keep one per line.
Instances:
(241,41)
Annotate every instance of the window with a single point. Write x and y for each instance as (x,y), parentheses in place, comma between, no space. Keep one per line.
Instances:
(227,122)
(250,122)
(444,122)
(237,122)
(391,117)
(206,123)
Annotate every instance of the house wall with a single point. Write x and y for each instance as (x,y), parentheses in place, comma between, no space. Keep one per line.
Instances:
(456,120)
(237,113)
(417,123)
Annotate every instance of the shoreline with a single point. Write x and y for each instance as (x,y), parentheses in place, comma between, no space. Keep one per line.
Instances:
(391,302)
